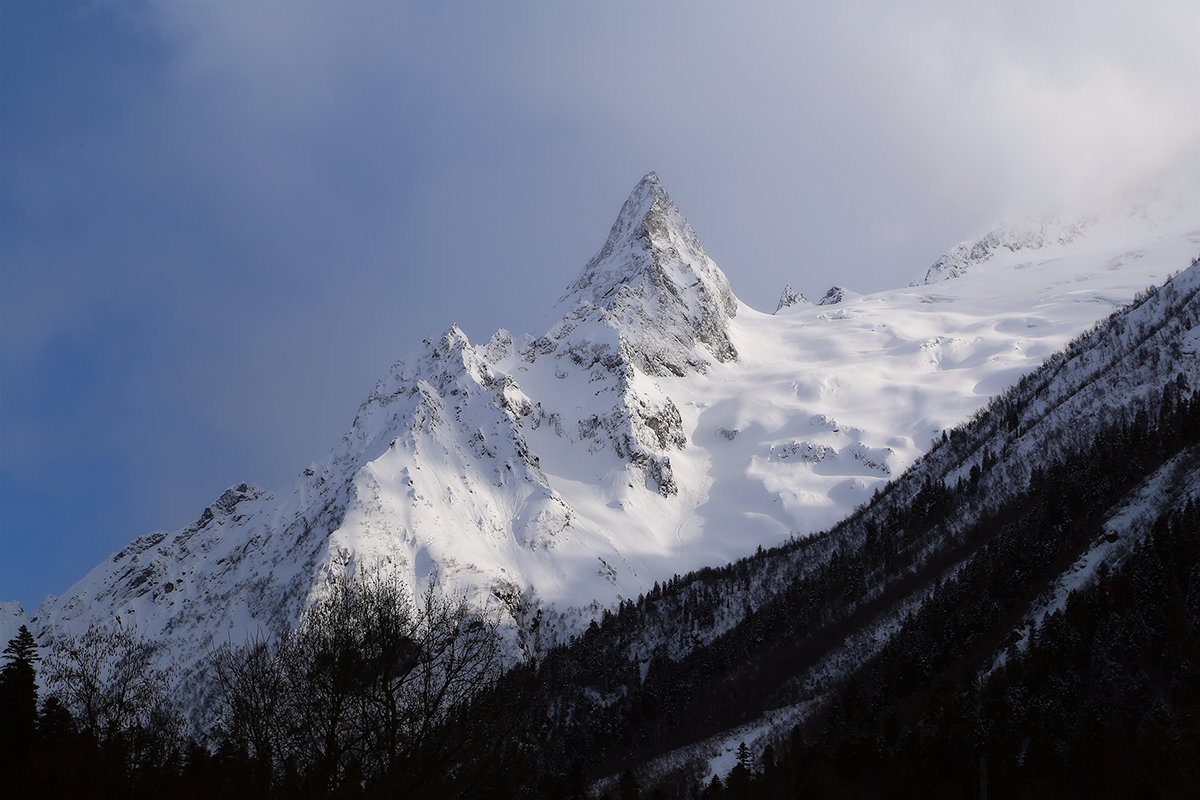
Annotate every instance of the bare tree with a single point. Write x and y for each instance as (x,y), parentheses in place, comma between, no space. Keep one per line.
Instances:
(421,696)
(248,682)
(368,689)
(109,679)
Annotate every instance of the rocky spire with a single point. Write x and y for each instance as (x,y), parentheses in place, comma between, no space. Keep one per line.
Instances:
(658,286)
(789,298)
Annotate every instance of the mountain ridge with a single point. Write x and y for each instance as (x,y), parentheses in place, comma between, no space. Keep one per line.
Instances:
(573,470)
(1048,489)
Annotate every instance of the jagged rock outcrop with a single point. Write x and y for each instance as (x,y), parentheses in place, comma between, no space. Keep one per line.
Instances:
(835,295)
(653,281)
(789,297)
(439,479)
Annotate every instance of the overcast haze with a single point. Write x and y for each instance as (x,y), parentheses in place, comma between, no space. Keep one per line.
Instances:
(220,223)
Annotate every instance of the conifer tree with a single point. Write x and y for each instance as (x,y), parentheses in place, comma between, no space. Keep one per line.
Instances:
(18,706)
(743,758)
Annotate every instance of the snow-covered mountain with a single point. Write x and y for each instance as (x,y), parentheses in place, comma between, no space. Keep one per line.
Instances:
(659,425)
(1086,468)
(1142,212)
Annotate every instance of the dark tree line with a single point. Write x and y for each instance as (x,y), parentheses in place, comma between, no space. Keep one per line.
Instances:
(106,730)
(18,708)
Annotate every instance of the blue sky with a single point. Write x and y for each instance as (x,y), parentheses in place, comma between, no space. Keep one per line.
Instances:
(221,222)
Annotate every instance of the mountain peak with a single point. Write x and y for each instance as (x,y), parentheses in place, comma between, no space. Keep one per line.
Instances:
(659,288)
(648,194)
(647,208)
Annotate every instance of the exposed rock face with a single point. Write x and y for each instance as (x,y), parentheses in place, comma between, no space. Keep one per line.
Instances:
(789,298)
(657,286)
(835,295)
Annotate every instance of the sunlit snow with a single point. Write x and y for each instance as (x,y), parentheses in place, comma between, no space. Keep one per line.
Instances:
(659,425)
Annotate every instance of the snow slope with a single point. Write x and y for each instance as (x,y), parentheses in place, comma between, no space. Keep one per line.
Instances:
(1122,371)
(659,425)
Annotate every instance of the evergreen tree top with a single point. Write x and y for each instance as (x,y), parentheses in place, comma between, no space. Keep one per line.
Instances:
(22,648)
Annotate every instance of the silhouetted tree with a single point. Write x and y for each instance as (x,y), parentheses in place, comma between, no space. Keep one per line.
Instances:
(109,680)
(18,709)
(373,689)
